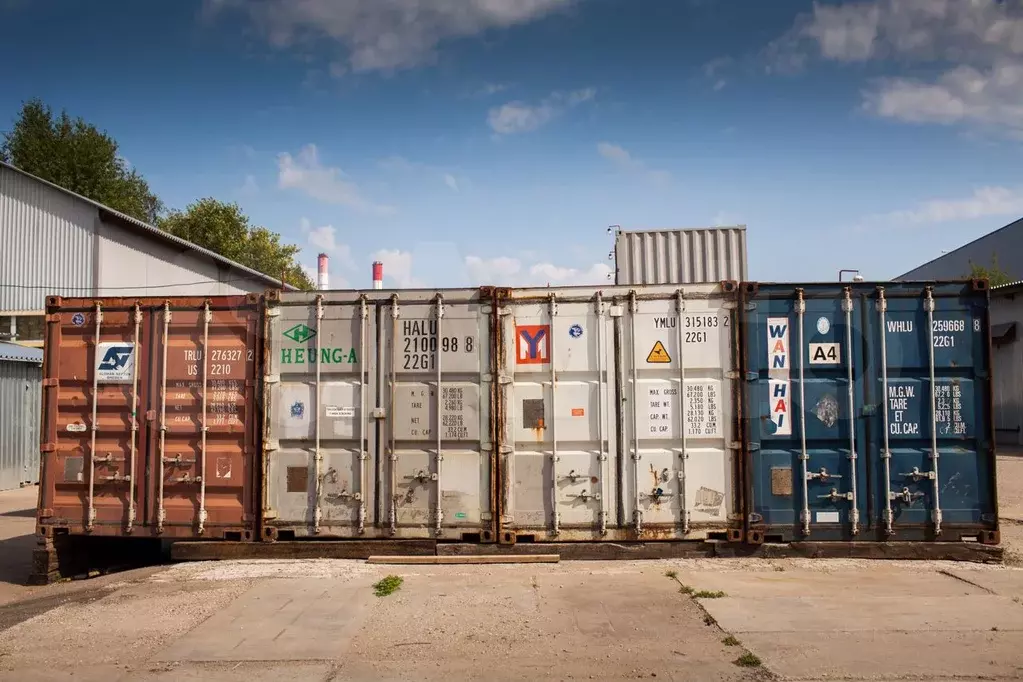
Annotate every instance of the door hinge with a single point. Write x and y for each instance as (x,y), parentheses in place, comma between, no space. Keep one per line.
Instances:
(48,447)
(51,382)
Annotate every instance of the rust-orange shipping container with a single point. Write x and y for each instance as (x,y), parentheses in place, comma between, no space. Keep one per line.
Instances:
(149,417)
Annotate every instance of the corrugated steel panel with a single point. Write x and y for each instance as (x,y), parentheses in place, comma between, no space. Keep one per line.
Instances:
(1007,367)
(48,240)
(18,353)
(53,193)
(150,419)
(377,412)
(869,411)
(619,414)
(681,256)
(20,392)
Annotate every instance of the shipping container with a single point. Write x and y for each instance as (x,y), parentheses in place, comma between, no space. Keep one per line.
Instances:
(149,417)
(869,411)
(21,380)
(377,415)
(617,413)
(688,256)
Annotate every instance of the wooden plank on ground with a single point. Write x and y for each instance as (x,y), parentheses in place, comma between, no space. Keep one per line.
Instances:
(469,559)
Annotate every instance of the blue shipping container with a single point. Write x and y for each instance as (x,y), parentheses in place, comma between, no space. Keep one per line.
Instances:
(868,412)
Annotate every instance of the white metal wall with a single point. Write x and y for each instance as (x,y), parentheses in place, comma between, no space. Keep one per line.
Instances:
(46,240)
(134,264)
(20,397)
(1007,371)
(681,256)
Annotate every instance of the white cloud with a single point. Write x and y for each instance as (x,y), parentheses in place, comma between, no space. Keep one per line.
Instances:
(250,187)
(397,268)
(491,89)
(384,34)
(713,71)
(304,172)
(508,271)
(324,239)
(981,41)
(985,202)
(624,160)
(521,117)
(399,164)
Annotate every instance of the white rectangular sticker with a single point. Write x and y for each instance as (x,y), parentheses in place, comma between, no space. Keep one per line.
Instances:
(825,354)
(827,517)
(115,362)
(778,346)
(335,411)
(779,397)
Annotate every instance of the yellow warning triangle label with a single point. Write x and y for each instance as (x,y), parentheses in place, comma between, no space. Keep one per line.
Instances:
(658,354)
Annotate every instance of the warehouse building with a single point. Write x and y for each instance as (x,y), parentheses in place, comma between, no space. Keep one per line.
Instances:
(1006,315)
(56,242)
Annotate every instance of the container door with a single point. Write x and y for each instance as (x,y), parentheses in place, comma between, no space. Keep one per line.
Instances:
(203,374)
(677,362)
(935,452)
(93,464)
(558,476)
(437,465)
(320,433)
(805,355)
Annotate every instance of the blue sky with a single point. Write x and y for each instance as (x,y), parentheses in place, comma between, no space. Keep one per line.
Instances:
(493,141)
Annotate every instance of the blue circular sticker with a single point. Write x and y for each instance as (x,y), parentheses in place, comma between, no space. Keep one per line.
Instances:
(78,319)
(575,331)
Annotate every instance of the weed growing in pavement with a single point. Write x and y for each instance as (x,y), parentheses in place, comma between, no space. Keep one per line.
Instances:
(706,594)
(709,619)
(730,640)
(748,660)
(387,585)
(671,574)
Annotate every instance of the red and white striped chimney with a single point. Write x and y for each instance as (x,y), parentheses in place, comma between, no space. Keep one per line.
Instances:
(321,269)
(378,275)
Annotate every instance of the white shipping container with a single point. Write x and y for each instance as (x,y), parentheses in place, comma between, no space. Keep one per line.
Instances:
(619,418)
(356,442)
(687,256)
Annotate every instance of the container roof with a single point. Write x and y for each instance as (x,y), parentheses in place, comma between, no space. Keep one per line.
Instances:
(12,352)
(153,231)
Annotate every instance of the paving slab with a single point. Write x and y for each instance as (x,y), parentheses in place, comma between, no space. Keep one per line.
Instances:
(863,613)
(1005,583)
(279,620)
(877,582)
(889,655)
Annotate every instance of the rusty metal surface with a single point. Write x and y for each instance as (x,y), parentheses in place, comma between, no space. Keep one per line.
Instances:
(128,448)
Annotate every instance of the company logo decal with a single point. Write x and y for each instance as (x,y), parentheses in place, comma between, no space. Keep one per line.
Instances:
(532,344)
(115,363)
(300,333)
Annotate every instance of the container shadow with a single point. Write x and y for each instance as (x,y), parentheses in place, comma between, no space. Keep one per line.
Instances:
(16,559)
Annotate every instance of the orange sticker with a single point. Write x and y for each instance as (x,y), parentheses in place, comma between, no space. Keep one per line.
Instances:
(578,412)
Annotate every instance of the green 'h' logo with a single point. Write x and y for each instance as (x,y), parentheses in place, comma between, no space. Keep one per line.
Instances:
(300,333)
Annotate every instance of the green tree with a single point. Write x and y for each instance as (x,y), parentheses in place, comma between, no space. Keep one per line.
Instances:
(77,156)
(994,274)
(224,229)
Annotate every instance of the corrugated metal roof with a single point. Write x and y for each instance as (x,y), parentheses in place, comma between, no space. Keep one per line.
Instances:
(152,230)
(12,352)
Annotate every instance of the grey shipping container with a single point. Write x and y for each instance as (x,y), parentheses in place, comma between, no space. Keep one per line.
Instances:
(21,381)
(684,256)
(377,406)
(496,414)
(618,414)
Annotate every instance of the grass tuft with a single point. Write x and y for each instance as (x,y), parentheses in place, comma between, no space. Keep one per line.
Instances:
(685,589)
(709,619)
(671,574)
(748,660)
(730,640)
(705,594)
(387,585)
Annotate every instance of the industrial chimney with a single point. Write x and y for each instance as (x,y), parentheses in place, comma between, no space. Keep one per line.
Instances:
(378,275)
(322,261)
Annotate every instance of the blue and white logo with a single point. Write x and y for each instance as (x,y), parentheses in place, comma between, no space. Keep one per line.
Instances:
(115,363)
(298,409)
(78,319)
(575,331)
